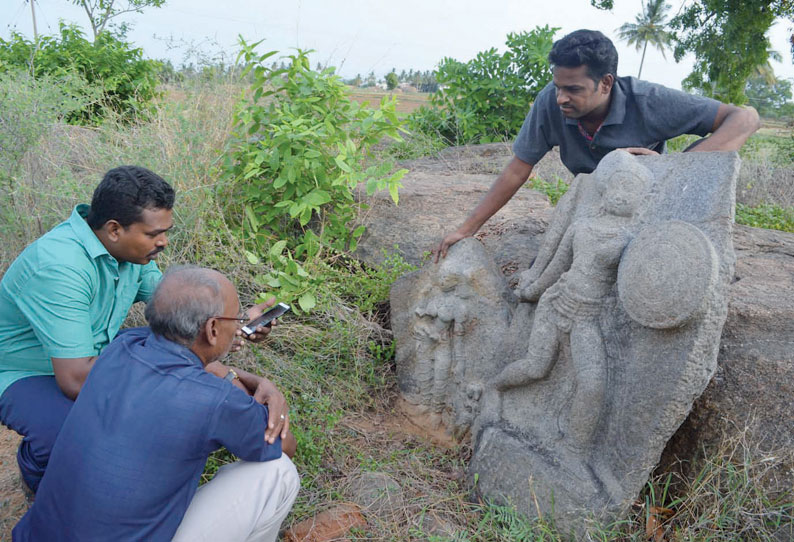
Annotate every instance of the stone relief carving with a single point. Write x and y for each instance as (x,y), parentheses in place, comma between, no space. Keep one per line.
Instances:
(571,385)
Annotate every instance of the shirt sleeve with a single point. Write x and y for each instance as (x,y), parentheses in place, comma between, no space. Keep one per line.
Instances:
(56,303)
(150,278)
(239,425)
(676,112)
(532,142)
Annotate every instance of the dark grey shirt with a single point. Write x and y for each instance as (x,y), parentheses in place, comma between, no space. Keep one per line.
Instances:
(641,114)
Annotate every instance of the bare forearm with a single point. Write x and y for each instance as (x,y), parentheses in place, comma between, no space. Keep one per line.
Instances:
(249,380)
(71,373)
(733,130)
(289,445)
(504,187)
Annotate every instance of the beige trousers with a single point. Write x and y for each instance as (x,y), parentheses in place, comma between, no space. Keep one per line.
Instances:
(244,502)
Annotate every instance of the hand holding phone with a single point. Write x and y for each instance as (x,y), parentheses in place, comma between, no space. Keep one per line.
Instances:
(265,319)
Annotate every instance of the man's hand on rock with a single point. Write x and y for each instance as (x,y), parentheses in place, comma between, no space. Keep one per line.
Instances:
(450,239)
(637,151)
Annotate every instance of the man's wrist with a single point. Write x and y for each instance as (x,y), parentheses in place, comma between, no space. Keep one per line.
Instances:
(231,375)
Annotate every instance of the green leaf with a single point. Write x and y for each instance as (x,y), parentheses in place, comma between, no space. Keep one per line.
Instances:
(307,301)
(317,197)
(394,192)
(252,258)
(342,165)
(278,247)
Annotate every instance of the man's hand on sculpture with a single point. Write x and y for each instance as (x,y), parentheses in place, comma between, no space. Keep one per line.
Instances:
(639,151)
(266,393)
(450,239)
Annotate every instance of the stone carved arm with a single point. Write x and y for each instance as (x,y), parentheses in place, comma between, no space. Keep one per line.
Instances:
(560,221)
(559,264)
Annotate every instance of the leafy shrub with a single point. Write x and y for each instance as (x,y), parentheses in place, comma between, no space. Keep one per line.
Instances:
(300,150)
(128,82)
(29,108)
(767,216)
(487,98)
(554,191)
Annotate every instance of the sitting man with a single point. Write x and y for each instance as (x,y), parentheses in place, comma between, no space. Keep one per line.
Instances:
(128,458)
(65,297)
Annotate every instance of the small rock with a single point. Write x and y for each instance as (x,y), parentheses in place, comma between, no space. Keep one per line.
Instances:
(377,493)
(329,525)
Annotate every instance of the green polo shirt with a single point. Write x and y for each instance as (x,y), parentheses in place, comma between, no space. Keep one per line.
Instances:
(65,296)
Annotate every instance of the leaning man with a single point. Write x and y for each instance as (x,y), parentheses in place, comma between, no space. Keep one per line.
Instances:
(128,459)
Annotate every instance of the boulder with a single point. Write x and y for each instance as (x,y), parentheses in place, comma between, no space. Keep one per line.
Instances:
(753,386)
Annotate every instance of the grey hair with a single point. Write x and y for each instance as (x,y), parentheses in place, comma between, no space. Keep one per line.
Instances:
(185,299)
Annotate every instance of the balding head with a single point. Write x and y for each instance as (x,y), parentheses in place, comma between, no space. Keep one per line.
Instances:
(184,300)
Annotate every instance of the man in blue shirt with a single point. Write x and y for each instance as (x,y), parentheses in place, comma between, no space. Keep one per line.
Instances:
(588,111)
(127,462)
(65,297)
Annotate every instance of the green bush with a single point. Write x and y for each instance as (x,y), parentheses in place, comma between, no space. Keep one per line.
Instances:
(767,216)
(128,82)
(554,191)
(300,150)
(28,110)
(487,98)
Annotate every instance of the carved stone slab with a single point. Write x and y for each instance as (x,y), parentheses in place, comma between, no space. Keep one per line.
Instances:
(571,394)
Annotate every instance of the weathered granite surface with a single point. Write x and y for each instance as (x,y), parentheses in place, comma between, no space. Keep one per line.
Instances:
(575,408)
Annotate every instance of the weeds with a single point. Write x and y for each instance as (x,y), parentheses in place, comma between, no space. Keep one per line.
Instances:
(554,191)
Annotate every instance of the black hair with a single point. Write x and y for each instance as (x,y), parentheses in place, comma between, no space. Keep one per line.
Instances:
(586,47)
(124,193)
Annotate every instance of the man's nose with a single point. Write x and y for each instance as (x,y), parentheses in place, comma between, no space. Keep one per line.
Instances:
(162,240)
(562,97)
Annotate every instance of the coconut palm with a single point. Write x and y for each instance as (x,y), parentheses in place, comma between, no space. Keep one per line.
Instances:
(648,28)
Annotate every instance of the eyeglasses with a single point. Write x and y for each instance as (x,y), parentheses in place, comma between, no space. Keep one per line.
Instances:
(242,320)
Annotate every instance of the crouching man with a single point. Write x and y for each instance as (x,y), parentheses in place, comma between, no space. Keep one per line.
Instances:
(126,464)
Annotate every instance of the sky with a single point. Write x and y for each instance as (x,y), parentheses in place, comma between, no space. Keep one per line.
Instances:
(359,36)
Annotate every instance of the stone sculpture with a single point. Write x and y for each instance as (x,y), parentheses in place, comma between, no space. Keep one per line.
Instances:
(571,386)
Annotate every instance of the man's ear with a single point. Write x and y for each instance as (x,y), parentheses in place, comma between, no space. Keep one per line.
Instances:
(605,85)
(113,230)
(211,331)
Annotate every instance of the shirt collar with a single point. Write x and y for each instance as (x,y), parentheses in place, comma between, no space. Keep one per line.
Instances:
(84,233)
(161,343)
(617,107)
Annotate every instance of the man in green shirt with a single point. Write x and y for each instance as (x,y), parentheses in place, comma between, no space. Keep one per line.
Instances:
(65,297)
(67,294)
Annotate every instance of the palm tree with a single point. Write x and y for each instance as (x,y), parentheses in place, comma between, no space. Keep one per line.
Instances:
(648,28)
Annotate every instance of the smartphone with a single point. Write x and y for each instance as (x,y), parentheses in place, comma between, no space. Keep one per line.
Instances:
(266,318)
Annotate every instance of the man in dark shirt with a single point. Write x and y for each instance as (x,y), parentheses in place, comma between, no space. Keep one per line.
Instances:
(588,112)
(127,461)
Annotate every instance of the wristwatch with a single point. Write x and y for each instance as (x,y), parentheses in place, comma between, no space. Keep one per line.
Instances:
(231,375)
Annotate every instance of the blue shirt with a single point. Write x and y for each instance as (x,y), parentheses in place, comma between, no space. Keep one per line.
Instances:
(128,459)
(641,114)
(65,296)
